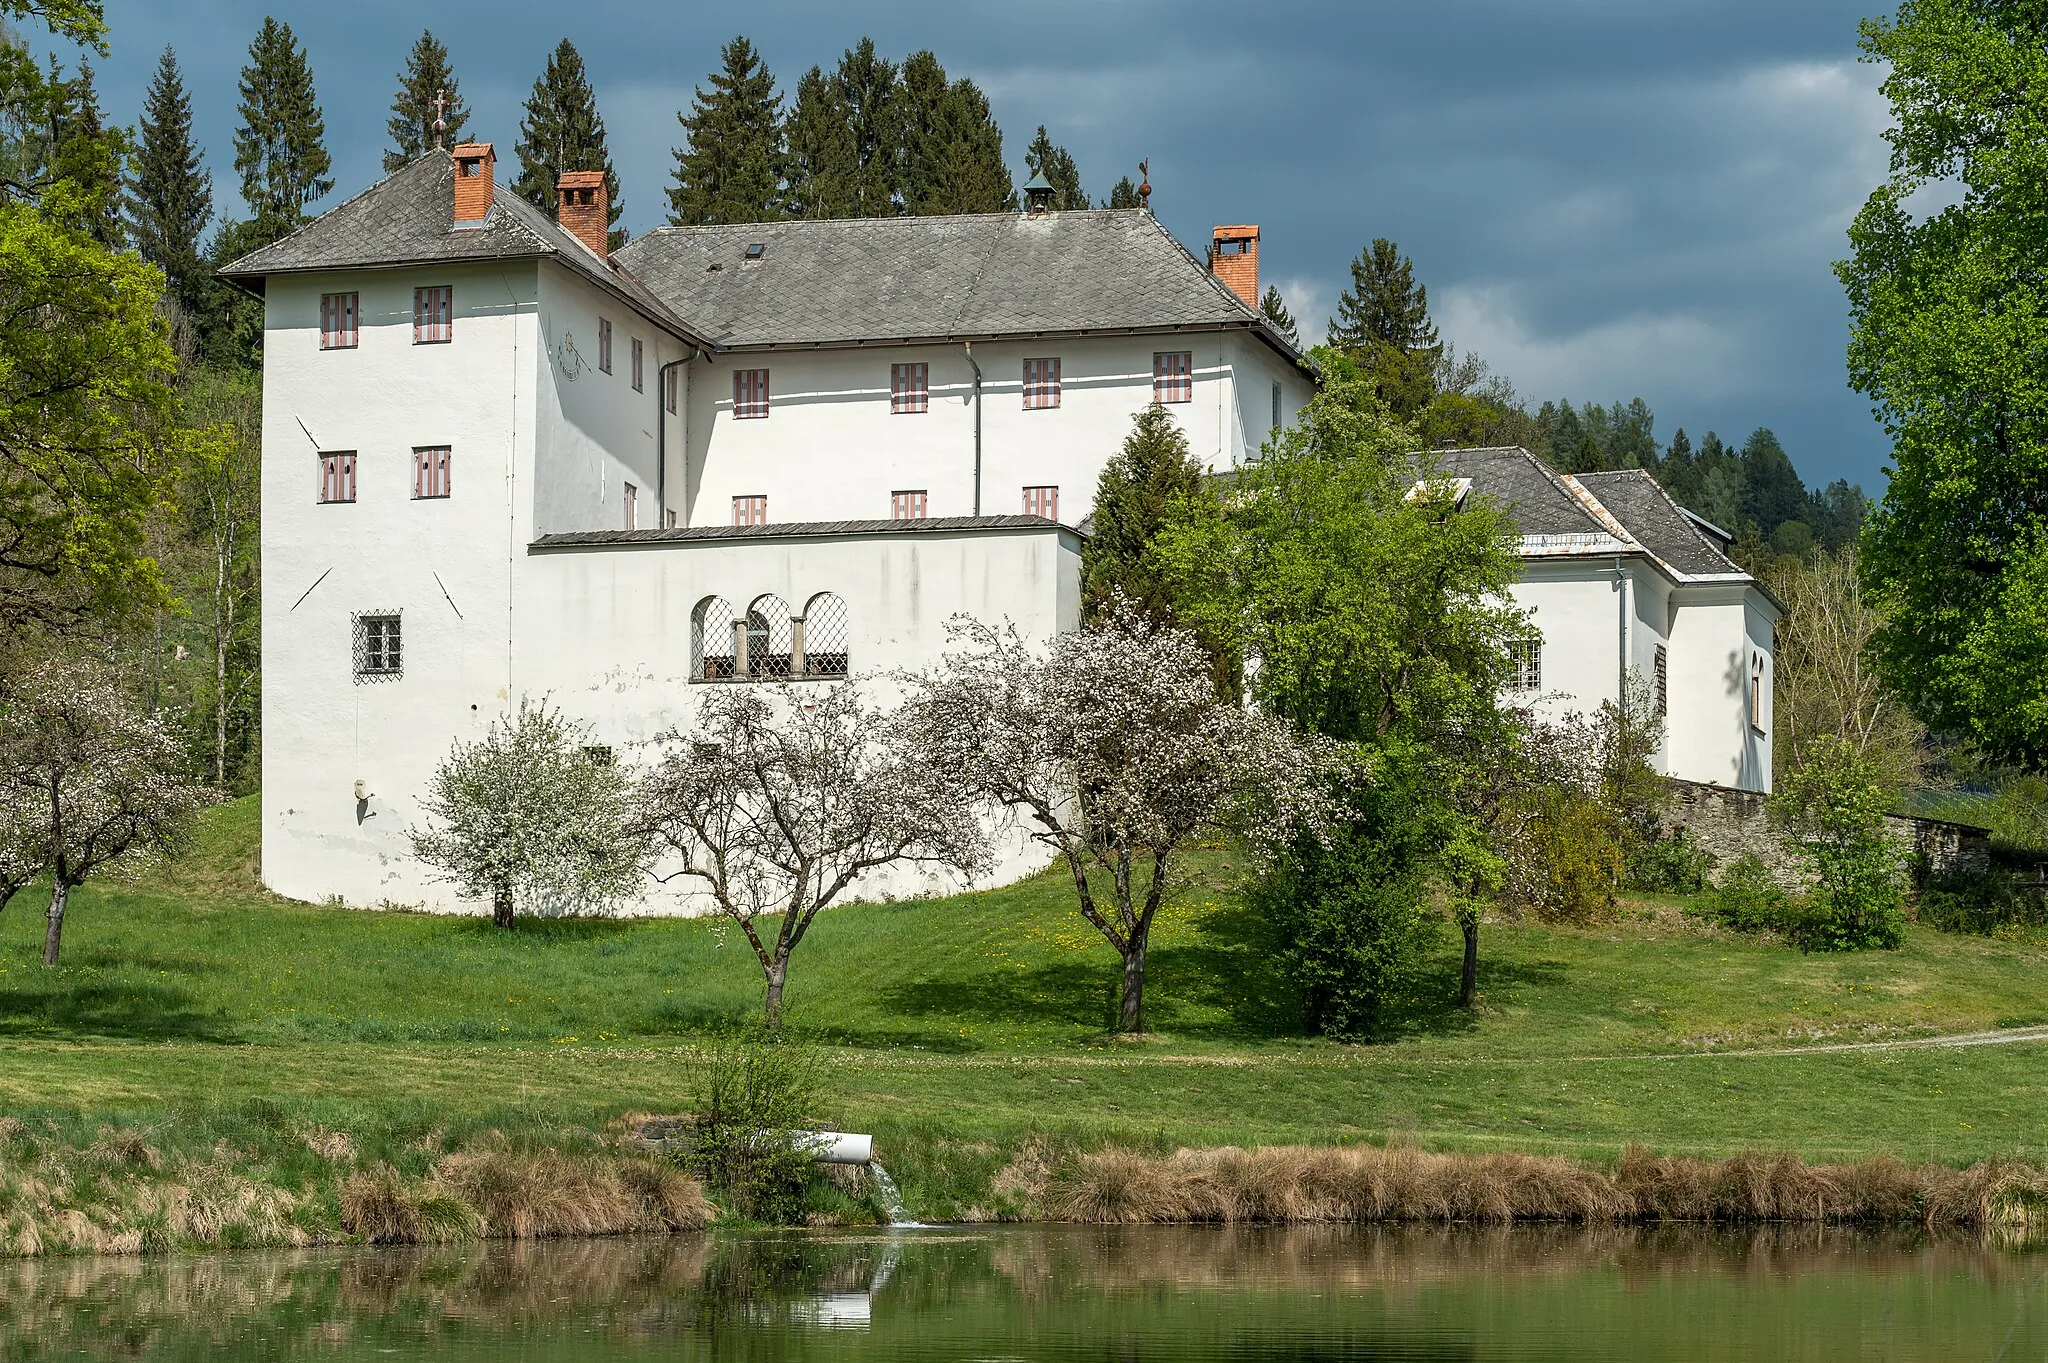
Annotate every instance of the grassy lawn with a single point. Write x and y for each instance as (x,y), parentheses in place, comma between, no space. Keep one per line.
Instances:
(959,1027)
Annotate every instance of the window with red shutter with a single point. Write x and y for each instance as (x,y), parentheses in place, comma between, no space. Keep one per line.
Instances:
(1042,501)
(430,469)
(907,506)
(433,315)
(1041,384)
(910,388)
(749,393)
(1173,376)
(337,321)
(338,476)
(604,344)
(750,510)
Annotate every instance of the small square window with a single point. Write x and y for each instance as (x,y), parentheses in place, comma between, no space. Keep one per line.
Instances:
(910,389)
(1525,665)
(378,649)
(338,476)
(430,470)
(751,510)
(1041,384)
(749,394)
(637,387)
(1173,376)
(1042,501)
(632,507)
(337,321)
(433,315)
(907,506)
(604,344)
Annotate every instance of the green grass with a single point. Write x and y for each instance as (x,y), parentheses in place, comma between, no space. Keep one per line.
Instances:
(959,1027)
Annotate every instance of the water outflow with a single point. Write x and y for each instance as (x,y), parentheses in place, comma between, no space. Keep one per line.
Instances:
(892,1197)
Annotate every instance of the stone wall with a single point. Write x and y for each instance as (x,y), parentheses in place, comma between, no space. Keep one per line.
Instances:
(1732,823)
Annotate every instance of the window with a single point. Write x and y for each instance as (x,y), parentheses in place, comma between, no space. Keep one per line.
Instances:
(767,643)
(377,649)
(637,387)
(632,507)
(712,641)
(910,389)
(1525,665)
(604,344)
(771,639)
(1660,671)
(670,379)
(1042,501)
(337,321)
(1041,384)
(1173,374)
(907,506)
(1756,692)
(599,755)
(669,517)
(433,315)
(750,510)
(1276,406)
(749,393)
(821,638)
(430,471)
(338,477)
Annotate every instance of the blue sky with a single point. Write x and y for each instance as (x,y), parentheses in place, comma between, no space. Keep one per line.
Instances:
(1606,199)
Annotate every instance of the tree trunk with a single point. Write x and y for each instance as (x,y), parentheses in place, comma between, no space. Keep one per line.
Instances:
(1133,1018)
(501,907)
(778,974)
(1468,974)
(53,939)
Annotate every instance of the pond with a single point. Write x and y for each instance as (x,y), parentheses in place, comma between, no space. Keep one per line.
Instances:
(1059,1293)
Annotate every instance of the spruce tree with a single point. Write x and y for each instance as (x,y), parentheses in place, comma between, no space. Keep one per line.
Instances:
(1275,308)
(280,147)
(1383,321)
(563,131)
(170,192)
(819,170)
(952,149)
(427,73)
(731,168)
(1123,194)
(85,157)
(1043,157)
(867,90)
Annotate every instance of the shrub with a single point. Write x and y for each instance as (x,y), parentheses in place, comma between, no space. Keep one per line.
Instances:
(1672,863)
(2019,816)
(1834,807)
(1750,898)
(1981,901)
(1578,844)
(756,1103)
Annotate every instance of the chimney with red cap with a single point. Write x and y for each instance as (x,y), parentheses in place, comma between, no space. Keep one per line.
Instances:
(475,173)
(1234,260)
(585,209)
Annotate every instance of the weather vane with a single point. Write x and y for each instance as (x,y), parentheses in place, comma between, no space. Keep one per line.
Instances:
(1145,189)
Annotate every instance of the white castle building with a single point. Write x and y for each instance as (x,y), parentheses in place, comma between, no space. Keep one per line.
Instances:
(500,461)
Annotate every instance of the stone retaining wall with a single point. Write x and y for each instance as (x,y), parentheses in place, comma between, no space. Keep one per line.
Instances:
(1732,823)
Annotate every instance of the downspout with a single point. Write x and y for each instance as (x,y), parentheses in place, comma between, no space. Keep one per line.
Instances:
(968,346)
(1621,588)
(661,434)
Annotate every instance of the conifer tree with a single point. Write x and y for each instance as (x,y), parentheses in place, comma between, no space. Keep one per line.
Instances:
(1045,158)
(1383,321)
(1275,308)
(952,149)
(427,73)
(821,155)
(85,157)
(170,192)
(280,147)
(562,131)
(731,168)
(1123,194)
(867,90)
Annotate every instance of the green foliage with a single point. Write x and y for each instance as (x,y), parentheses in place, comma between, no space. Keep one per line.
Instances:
(1383,322)
(1750,899)
(85,160)
(2019,816)
(867,89)
(730,168)
(1949,313)
(952,156)
(756,1101)
(1123,194)
(427,73)
(170,191)
(1044,157)
(1272,305)
(1354,912)
(821,154)
(1578,845)
(280,145)
(562,130)
(1985,902)
(1668,863)
(1835,807)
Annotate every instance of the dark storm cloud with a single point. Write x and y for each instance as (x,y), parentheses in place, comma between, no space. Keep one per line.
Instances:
(1607,200)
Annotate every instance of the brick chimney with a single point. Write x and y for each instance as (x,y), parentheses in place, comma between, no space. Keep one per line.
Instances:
(475,178)
(1234,260)
(585,208)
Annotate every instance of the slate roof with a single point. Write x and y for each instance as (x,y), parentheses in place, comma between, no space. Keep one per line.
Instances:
(794,530)
(961,277)
(1639,502)
(1535,498)
(408,218)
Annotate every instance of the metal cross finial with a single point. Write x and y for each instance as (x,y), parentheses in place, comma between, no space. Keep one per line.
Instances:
(1145,189)
(440,103)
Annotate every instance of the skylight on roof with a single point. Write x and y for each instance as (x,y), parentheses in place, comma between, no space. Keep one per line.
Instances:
(756,249)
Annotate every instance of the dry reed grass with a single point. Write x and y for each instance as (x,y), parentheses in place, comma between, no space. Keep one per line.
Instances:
(1295,1185)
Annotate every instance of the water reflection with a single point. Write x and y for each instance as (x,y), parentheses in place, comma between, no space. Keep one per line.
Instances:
(1065,1293)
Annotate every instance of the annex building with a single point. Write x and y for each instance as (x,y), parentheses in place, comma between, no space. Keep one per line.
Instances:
(502,461)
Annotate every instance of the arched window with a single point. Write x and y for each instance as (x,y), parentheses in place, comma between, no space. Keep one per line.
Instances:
(768,638)
(824,637)
(712,639)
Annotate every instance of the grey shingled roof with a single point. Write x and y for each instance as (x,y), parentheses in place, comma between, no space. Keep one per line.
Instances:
(794,530)
(408,218)
(1535,498)
(938,278)
(1641,504)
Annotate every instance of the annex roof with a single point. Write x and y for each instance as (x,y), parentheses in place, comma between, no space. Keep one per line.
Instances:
(946,278)
(408,218)
(796,530)
(1659,524)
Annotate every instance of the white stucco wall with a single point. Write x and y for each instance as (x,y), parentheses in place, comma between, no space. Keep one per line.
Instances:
(831,449)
